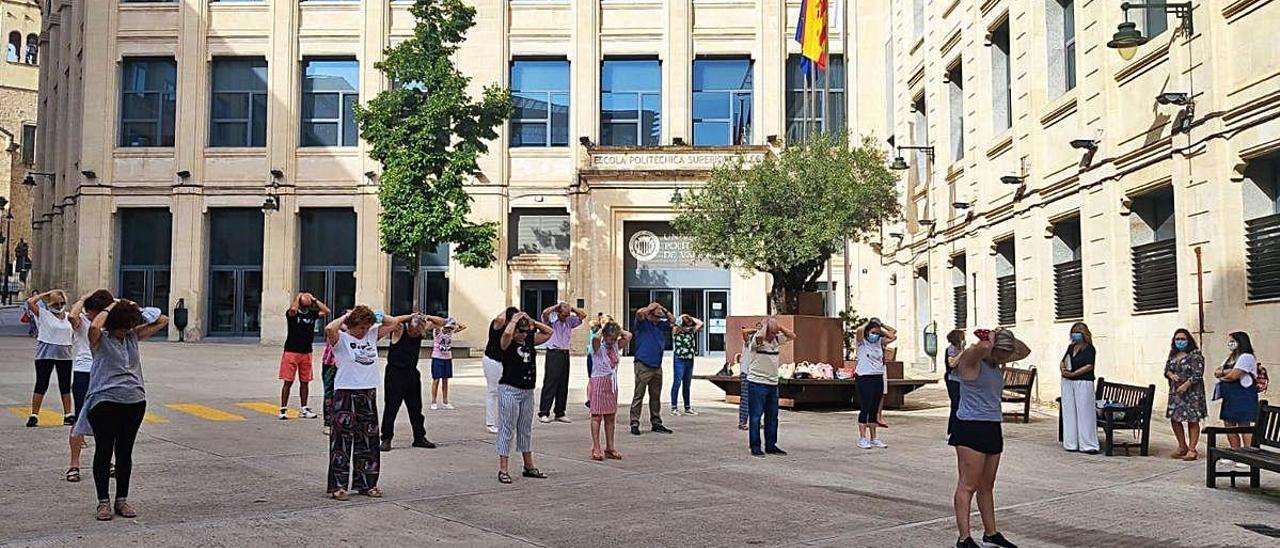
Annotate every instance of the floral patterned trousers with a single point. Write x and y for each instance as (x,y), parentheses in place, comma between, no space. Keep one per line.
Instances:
(353,440)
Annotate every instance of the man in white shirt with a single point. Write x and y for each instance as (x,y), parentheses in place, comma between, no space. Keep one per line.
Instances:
(762,383)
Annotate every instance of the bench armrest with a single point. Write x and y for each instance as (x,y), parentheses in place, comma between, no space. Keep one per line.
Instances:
(1213,431)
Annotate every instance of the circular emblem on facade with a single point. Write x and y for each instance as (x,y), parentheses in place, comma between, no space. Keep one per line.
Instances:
(644,245)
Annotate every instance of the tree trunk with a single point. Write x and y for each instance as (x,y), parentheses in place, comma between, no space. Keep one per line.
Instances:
(782,300)
(415,268)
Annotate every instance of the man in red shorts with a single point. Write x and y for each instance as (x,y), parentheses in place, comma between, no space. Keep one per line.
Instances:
(301,318)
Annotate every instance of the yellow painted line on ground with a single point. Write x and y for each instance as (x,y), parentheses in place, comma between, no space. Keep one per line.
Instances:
(47,417)
(267,408)
(205,412)
(152,418)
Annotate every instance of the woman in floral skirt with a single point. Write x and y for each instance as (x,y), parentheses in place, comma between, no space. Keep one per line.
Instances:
(1185,372)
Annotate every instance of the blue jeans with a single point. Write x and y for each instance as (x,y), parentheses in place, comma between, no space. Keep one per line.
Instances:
(763,401)
(683,379)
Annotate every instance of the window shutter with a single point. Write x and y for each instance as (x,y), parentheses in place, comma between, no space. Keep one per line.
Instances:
(1262,244)
(1155,276)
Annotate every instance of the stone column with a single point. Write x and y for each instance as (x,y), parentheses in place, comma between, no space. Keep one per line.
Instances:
(280,227)
(188,261)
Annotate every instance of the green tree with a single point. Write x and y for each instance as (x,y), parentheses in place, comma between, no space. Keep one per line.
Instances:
(428,133)
(788,213)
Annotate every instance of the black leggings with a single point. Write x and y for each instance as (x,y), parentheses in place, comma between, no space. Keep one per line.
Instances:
(115,427)
(870,392)
(45,368)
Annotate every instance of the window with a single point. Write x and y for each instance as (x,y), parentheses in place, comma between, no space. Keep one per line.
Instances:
(1006,283)
(330,91)
(433,277)
(1155,252)
(539,231)
(917,19)
(148,97)
(924,304)
(32,54)
(890,97)
(1068,283)
(327,256)
(721,102)
(29,144)
(920,137)
(239,103)
(1060,19)
(955,99)
(959,292)
(1001,78)
(145,248)
(832,78)
(630,102)
(11,50)
(540,92)
(1262,227)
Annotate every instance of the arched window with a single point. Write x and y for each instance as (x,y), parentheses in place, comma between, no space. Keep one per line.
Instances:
(15,43)
(32,55)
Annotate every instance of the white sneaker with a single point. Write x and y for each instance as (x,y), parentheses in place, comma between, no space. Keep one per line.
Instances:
(564,420)
(689,411)
(307,413)
(434,406)
(326,430)
(448,406)
(284,413)
(879,444)
(864,443)
(492,429)
(675,412)
(544,419)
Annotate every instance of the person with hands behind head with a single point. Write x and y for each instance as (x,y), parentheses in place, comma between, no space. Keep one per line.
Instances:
(1184,369)
(518,345)
(403,382)
(354,455)
(602,388)
(443,330)
(762,384)
(652,324)
(83,312)
(563,319)
(300,319)
(871,337)
(116,399)
(54,351)
(1079,409)
(492,364)
(684,342)
(976,435)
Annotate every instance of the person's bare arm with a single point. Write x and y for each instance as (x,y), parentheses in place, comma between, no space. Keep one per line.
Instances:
(293,305)
(860,331)
(580,313)
(33,303)
(73,315)
(888,335)
(391,323)
(624,338)
(543,334)
(144,331)
(746,334)
(509,333)
(969,360)
(332,328)
(324,308)
(791,335)
(697,325)
(95,327)
(546,312)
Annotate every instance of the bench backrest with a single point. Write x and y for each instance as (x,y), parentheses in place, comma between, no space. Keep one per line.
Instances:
(1127,395)
(1018,378)
(1267,431)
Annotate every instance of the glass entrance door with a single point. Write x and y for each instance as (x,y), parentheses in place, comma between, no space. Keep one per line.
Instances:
(235,301)
(336,286)
(537,295)
(147,286)
(717,314)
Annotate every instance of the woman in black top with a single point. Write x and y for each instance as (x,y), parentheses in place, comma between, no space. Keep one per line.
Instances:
(515,391)
(403,382)
(1079,411)
(492,363)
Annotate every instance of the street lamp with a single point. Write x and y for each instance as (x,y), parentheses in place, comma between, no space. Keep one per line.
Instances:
(900,163)
(1127,37)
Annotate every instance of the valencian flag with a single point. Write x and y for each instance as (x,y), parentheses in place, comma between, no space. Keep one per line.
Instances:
(811,33)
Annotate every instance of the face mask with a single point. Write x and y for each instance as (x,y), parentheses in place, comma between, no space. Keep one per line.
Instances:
(1077,337)
(1180,345)
(1231,345)
(56,309)
(873,337)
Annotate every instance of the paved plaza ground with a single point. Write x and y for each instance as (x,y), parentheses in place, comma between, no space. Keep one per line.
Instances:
(214,467)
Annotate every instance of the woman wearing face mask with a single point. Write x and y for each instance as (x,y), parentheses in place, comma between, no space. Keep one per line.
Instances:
(54,351)
(492,363)
(1185,372)
(602,391)
(518,343)
(871,337)
(1235,386)
(1079,410)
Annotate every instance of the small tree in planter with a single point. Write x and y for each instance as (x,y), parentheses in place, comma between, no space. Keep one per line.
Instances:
(427,133)
(788,213)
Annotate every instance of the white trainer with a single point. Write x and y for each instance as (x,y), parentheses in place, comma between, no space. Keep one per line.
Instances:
(434,406)
(284,413)
(879,444)
(448,406)
(307,413)
(864,443)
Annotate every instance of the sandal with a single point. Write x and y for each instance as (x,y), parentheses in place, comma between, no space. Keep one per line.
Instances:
(124,510)
(1179,453)
(104,512)
(596,454)
(742,426)
(373,492)
(504,477)
(112,472)
(1191,455)
(533,473)
(73,474)
(340,494)
(610,453)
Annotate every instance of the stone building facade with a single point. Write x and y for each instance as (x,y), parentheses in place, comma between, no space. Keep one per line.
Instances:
(19,87)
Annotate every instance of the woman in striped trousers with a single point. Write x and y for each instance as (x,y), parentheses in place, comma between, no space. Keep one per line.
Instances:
(515,391)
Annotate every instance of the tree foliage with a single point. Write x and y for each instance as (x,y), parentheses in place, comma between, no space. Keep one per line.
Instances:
(428,134)
(787,214)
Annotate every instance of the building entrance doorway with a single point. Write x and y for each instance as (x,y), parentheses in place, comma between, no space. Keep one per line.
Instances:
(537,295)
(709,305)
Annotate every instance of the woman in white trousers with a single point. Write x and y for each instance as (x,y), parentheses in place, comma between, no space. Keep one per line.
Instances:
(492,363)
(1079,409)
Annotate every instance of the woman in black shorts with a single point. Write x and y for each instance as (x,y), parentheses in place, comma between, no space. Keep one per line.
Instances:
(976,434)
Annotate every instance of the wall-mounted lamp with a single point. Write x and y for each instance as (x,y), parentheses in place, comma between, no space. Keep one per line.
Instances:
(29,180)
(678,141)
(183,174)
(899,163)
(1173,98)
(89,174)
(1084,144)
(371,175)
(1126,205)
(1012,179)
(927,222)
(961,205)
(585,141)
(277,173)
(773,140)
(897,235)
(270,204)
(1127,37)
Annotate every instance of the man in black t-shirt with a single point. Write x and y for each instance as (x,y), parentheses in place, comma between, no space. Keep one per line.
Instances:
(301,318)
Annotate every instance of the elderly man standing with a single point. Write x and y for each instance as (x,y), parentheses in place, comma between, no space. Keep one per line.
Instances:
(762,382)
(563,319)
(652,327)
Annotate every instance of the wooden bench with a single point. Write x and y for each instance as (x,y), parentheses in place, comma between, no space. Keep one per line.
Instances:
(1262,453)
(1018,384)
(1130,410)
